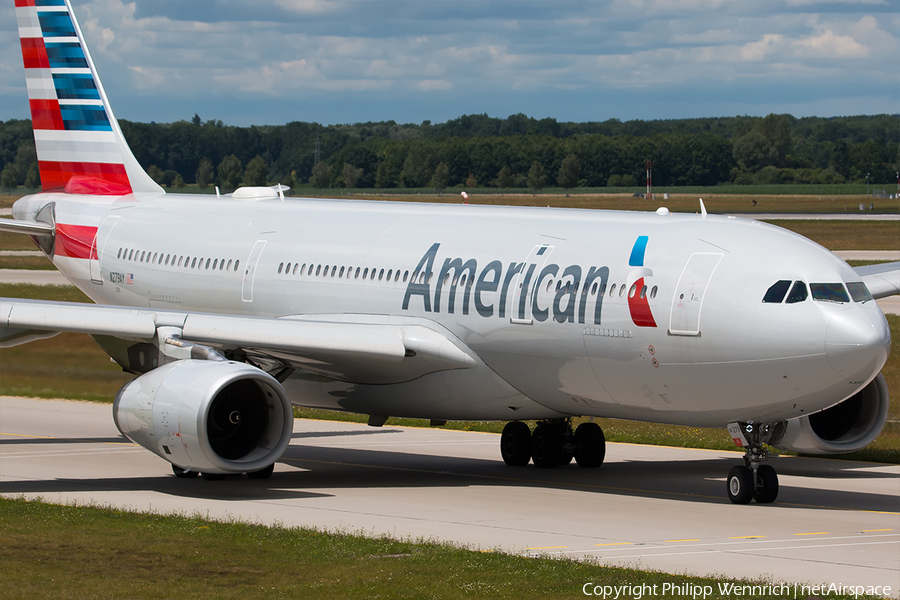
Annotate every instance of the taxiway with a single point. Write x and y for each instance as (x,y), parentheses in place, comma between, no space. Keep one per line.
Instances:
(650,507)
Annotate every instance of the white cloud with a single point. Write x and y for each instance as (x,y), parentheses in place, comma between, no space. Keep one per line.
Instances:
(830,45)
(755,51)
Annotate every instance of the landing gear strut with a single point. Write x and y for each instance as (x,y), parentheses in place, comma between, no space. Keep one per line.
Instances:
(753,480)
(553,444)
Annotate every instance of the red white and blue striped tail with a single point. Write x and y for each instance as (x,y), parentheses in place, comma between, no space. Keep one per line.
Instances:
(80,147)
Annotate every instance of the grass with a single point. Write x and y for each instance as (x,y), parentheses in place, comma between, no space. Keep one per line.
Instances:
(51,551)
(848,235)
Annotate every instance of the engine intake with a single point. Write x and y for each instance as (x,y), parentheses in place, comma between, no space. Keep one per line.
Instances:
(214,417)
(845,427)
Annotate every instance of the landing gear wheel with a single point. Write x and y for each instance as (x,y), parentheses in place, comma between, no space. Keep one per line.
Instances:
(740,485)
(515,444)
(262,473)
(766,489)
(213,476)
(182,474)
(590,445)
(547,446)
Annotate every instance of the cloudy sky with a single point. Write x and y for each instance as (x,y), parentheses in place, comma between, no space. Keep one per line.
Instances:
(274,61)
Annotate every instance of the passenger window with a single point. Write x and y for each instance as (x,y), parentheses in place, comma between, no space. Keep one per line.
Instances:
(143,255)
(405,273)
(622,290)
(280,267)
(390,272)
(632,291)
(216,263)
(594,289)
(119,255)
(236,263)
(194,263)
(829,292)
(602,291)
(653,292)
(366,273)
(644,292)
(341,273)
(775,294)
(207,262)
(131,255)
(318,270)
(612,291)
(859,292)
(798,293)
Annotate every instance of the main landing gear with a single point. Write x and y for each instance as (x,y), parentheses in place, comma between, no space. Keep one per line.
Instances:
(552,444)
(753,480)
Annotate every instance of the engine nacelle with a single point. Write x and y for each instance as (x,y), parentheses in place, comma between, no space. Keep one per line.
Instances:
(846,427)
(213,417)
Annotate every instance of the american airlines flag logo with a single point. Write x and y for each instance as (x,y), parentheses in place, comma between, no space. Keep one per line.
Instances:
(129,278)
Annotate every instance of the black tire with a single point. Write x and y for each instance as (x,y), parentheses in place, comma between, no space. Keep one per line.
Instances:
(213,476)
(768,488)
(590,445)
(262,473)
(547,446)
(182,474)
(515,444)
(740,485)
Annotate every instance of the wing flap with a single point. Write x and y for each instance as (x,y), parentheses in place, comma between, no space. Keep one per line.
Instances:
(882,280)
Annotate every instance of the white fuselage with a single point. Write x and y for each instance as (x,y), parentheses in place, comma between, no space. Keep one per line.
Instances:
(534,293)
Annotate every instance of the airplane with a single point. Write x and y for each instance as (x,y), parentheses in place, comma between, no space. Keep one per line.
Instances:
(230,310)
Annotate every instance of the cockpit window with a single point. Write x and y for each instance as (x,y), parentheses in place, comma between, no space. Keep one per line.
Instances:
(798,293)
(777,291)
(829,292)
(859,292)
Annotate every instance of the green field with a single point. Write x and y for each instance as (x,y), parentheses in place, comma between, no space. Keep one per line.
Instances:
(57,552)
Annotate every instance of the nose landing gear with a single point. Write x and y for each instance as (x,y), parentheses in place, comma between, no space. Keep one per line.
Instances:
(553,444)
(754,480)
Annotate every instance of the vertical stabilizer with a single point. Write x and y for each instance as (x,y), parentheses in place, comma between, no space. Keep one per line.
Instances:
(80,147)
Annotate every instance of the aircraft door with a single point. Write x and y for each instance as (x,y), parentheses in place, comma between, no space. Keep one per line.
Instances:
(250,271)
(524,285)
(98,246)
(684,318)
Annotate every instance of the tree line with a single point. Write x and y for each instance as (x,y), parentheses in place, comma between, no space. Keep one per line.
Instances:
(515,152)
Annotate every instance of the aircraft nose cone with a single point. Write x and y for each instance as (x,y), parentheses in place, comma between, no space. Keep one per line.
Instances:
(858,341)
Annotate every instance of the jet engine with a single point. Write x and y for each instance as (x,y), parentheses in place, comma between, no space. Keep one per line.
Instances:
(209,416)
(845,427)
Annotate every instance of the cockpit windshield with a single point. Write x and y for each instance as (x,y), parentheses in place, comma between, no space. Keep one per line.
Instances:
(859,292)
(829,292)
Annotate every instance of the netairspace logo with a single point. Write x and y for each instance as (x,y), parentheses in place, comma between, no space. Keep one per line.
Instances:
(730,590)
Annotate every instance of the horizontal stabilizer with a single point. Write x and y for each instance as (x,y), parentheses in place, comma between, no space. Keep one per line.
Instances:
(26,227)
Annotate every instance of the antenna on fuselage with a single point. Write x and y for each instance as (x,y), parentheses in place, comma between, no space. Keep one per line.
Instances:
(702,208)
(217,192)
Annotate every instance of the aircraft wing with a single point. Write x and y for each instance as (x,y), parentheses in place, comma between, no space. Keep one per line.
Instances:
(358,351)
(882,280)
